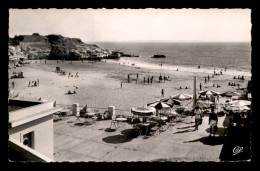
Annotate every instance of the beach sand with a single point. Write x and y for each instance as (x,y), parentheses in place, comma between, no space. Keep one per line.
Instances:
(99,83)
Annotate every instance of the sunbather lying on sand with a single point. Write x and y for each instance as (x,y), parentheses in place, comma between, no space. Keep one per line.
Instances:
(74,92)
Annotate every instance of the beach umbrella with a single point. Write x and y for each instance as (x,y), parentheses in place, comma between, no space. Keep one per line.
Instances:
(240,103)
(230,94)
(181,107)
(143,111)
(209,92)
(173,101)
(237,107)
(204,104)
(235,97)
(182,97)
(160,105)
(168,101)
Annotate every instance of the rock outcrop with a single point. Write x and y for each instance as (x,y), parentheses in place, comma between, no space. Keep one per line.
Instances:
(52,46)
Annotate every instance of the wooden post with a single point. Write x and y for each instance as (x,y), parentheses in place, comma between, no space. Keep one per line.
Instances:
(194,92)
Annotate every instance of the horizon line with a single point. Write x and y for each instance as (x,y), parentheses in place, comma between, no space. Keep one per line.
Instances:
(169,41)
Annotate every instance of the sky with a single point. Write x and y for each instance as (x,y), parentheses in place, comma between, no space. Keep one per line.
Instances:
(174,25)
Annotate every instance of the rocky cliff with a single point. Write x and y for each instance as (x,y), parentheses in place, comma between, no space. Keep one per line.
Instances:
(36,46)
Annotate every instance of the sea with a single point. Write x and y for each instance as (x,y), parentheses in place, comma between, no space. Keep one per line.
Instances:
(236,57)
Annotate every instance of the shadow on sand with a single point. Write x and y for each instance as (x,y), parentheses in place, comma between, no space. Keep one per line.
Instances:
(79,124)
(186,127)
(187,130)
(220,132)
(125,136)
(209,140)
(109,130)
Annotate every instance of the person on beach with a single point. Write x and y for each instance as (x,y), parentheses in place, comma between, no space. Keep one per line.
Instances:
(148,80)
(144,80)
(213,122)
(13,84)
(29,84)
(200,86)
(205,80)
(121,84)
(128,78)
(162,93)
(137,75)
(199,67)
(38,81)
(198,116)
(35,83)
(208,77)
(152,80)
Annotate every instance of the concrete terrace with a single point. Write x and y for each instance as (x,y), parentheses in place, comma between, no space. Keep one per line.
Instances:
(96,142)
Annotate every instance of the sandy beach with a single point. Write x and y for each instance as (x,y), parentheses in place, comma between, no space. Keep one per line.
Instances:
(99,83)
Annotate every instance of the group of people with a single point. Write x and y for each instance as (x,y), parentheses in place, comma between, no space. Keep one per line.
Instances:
(181,88)
(233,84)
(149,80)
(34,83)
(164,78)
(240,78)
(70,75)
(216,85)
(213,119)
(217,73)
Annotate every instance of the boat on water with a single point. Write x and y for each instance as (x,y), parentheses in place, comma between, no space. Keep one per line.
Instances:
(158,56)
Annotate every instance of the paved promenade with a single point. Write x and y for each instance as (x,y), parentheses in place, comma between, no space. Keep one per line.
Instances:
(96,142)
